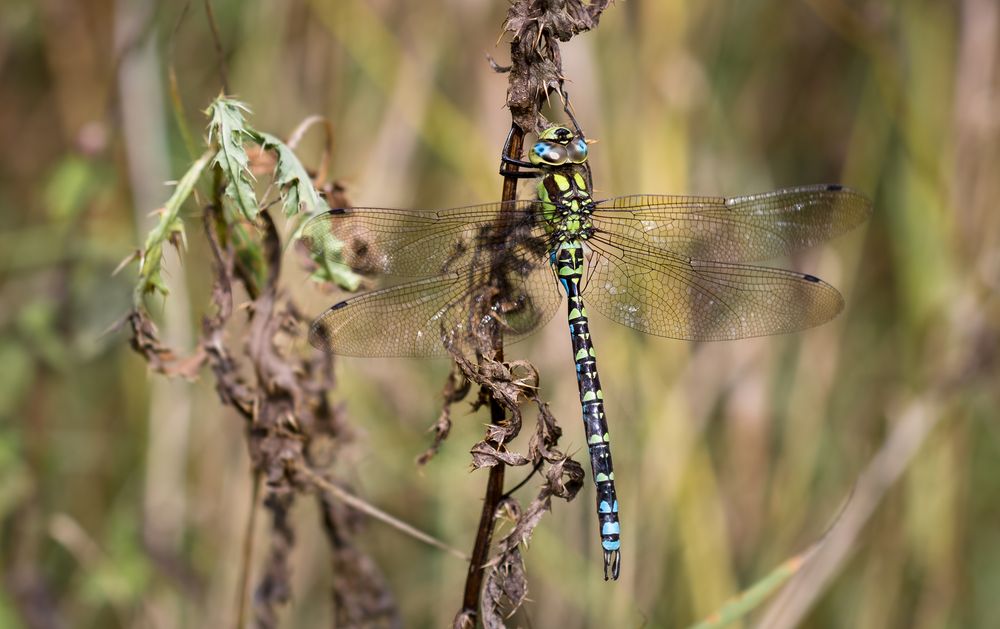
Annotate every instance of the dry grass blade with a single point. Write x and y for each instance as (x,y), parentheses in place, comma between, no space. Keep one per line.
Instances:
(912,425)
(324,485)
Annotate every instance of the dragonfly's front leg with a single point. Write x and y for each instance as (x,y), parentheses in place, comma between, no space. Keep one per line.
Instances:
(506,161)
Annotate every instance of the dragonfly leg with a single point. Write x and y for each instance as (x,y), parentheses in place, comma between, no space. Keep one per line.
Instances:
(506,160)
(518,174)
(568,108)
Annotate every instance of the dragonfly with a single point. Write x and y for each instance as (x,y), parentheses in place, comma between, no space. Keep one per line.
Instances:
(672,266)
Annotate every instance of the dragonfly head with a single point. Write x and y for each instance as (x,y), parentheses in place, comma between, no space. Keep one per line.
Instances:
(557,146)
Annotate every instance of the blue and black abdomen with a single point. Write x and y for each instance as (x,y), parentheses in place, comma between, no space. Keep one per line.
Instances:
(567,206)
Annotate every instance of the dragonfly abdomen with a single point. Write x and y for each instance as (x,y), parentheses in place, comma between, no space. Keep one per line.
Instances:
(568,262)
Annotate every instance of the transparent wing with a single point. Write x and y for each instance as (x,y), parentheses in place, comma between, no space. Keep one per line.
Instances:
(738,229)
(424,243)
(418,318)
(682,298)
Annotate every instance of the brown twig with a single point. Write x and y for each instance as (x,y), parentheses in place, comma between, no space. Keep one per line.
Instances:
(494,485)
(230,388)
(246,558)
(535,71)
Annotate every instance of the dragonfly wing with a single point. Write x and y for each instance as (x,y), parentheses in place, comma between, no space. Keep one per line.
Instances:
(420,243)
(737,229)
(531,296)
(421,318)
(683,298)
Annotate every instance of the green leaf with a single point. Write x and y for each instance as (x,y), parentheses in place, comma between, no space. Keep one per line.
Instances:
(228,130)
(170,229)
(330,271)
(300,196)
(294,182)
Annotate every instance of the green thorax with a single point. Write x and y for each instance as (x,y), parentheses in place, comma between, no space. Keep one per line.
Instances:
(566,202)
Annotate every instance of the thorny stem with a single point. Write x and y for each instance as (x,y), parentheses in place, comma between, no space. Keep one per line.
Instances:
(535,71)
(283,405)
(211,219)
(494,485)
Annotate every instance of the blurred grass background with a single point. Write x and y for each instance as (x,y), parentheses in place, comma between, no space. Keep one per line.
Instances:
(124,497)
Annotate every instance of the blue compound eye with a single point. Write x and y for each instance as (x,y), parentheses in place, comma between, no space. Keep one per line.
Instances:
(548,153)
(578,151)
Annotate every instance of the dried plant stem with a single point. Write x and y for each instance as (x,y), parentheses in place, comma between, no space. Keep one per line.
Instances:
(535,71)
(484,535)
(246,557)
(279,393)
(494,485)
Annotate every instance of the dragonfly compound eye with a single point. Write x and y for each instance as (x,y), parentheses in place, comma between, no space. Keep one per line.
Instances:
(548,153)
(577,151)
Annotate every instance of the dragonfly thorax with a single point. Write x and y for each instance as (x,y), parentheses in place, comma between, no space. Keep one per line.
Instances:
(566,203)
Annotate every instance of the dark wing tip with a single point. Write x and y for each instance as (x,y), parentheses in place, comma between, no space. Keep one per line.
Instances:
(316,340)
(319,332)
(856,206)
(319,336)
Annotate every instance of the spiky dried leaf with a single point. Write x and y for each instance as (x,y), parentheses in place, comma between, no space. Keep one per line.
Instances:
(227,129)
